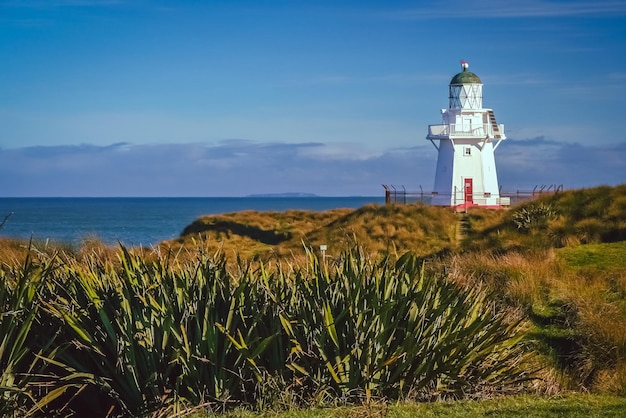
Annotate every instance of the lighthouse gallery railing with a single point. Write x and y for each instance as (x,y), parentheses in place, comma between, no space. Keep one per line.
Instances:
(461,130)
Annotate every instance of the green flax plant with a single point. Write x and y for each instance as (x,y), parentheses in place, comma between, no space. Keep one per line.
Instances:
(163,333)
(229,333)
(365,330)
(23,336)
(159,335)
(117,332)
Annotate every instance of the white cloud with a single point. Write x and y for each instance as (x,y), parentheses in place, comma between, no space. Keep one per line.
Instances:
(408,79)
(617,76)
(60,3)
(241,167)
(518,9)
(344,151)
(526,163)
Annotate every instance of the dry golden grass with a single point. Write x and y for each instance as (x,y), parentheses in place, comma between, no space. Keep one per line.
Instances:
(599,299)
(524,279)
(269,236)
(12,249)
(563,219)
(579,312)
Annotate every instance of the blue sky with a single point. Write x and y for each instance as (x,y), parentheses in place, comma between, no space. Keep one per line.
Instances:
(229,98)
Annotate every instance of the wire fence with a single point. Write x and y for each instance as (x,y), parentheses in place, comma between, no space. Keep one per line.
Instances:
(402,196)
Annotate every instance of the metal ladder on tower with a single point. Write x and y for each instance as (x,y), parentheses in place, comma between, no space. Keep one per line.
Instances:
(494,125)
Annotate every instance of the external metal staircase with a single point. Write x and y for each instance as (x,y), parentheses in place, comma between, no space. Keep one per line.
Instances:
(494,125)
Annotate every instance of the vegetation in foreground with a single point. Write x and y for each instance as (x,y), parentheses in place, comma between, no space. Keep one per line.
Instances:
(558,260)
(92,337)
(99,327)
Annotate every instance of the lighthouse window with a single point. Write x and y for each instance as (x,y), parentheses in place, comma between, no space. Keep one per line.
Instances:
(467,151)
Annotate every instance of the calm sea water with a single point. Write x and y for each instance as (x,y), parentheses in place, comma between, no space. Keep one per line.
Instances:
(139,221)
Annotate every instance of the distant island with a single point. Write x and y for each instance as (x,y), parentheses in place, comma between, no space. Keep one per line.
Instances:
(292,194)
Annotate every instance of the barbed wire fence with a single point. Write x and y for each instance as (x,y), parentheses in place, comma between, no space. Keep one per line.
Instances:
(401,195)
(6,218)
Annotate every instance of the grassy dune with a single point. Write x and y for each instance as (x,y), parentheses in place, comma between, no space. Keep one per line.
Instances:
(265,236)
(560,262)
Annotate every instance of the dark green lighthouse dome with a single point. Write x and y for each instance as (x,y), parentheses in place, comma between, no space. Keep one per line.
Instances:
(465,77)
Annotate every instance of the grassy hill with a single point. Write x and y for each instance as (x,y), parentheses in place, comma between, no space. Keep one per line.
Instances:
(380,229)
(559,261)
(564,219)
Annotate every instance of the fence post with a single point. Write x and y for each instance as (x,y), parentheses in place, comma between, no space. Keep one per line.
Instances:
(387,194)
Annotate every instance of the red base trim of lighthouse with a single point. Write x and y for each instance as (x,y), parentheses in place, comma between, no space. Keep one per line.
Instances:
(463,206)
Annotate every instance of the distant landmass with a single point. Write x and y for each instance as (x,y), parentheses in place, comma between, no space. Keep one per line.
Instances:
(292,194)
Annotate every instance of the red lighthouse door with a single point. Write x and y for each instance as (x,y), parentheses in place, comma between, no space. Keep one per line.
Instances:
(469,190)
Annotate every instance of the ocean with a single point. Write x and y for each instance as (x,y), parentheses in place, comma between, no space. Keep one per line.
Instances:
(138,221)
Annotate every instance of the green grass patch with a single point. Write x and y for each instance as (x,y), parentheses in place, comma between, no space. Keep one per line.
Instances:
(608,257)
(515,406)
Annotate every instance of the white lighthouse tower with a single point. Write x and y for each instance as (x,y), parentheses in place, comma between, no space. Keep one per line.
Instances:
(466,141)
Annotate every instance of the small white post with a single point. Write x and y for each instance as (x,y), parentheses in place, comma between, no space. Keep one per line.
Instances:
(323,248)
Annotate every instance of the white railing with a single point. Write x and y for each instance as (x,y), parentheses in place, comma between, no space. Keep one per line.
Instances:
(454,130)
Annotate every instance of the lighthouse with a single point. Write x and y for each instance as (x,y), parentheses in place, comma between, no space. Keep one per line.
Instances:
(466,141)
